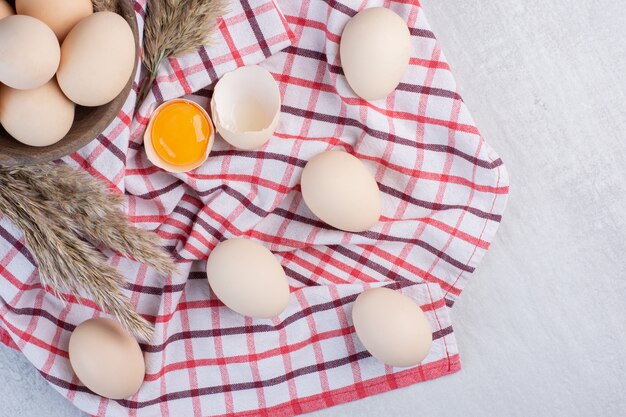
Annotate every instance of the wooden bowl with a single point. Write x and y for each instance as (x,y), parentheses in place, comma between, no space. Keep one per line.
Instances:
(89,122)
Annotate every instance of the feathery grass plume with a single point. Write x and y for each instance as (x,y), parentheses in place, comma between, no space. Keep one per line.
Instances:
(175,27)
(95,213)
(105,5)
(67,263)
(54,205)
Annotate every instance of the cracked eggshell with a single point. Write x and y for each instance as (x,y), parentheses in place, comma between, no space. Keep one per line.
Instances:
(5,9)
(29,52)
(158,161)
(246,107)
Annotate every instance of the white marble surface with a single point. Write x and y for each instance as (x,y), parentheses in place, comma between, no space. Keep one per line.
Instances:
(542,326)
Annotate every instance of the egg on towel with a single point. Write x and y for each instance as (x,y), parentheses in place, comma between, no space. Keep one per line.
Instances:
(97,59)
(246,107)
(37,117)
(248,278)
(375,49)
(106,359)
(5,9)
(60,15)
(179,136)
(391,327)
(29,52)
(338,188)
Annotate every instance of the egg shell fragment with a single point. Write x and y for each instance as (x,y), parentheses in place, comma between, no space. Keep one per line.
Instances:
(97,59)
(375,49)
(60,15)
(38,117)
(29,52)
(246,107)
(5,9)
(338,188)
(106,358)
(248,278)
(392,327)
(154,157)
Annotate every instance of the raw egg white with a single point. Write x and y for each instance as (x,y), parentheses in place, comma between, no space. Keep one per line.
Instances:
(248,278)
(29,52)
(179,137)
(246,107)
(37,117)
(106,359)
(60,15)
(339,189)
(392,327)
(375,49)
(97,59)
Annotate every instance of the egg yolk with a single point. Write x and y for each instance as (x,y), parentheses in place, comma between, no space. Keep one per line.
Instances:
(180,133)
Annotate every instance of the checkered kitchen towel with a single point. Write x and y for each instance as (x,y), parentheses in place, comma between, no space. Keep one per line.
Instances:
(444,191)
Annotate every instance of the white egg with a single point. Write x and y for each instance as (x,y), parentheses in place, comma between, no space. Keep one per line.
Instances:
(60,15)
(375,50)
(248,278)
(106,358)
(38,117)
(97,59)
(339,189)
(5,9)
(29,52)
(392,327)
(246,107)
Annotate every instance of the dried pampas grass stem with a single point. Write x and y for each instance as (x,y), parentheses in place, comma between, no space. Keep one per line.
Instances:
(54,206)
(105,5)
(175,27)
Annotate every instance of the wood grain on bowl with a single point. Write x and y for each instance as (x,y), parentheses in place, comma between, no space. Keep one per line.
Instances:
(89,122)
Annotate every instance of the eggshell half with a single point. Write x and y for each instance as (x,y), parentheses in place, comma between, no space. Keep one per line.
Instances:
(157,160)
(38,117)
(248,278)
(339,189)
(5,9)
(392,327)
(106,358)
(97,59)
(246,107)
(375,49)
(29,52)
(60,15)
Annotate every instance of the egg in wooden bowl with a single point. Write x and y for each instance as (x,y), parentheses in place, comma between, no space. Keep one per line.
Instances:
(46,115)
